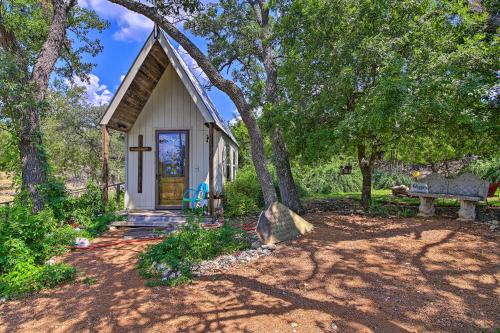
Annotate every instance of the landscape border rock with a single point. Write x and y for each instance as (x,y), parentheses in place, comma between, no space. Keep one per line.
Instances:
(278,223)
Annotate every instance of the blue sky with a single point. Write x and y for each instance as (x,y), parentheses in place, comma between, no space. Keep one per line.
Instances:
(122,42)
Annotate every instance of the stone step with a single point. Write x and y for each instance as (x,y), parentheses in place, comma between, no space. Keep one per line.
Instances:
(147,232)
(145,224)
(153,219)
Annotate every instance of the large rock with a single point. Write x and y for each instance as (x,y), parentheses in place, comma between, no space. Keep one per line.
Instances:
(400,191)
(278,223)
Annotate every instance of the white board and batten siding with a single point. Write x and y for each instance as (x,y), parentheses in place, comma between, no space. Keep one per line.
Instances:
(170,107)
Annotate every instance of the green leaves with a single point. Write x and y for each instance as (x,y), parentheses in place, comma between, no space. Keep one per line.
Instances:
(191,244)
(406,75)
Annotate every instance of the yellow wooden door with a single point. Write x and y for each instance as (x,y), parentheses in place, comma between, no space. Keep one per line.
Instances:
(172,150)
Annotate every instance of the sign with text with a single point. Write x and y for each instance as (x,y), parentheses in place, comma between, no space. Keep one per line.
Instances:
(419,188)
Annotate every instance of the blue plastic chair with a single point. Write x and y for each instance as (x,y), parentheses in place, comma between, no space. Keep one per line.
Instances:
(198,195)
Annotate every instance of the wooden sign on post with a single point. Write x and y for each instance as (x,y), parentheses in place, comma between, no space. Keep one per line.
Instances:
(140,149)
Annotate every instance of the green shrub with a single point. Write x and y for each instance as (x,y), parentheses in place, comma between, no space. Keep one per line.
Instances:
(189,245)
(27,277)
(488,169)
(325,178)
(386,180)
(88,205)
(243,195)
(14,251)
(28,240)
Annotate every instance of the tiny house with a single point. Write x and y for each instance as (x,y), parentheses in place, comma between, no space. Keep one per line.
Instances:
(174,136)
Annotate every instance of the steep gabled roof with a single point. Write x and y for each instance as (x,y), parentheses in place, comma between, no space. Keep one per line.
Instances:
(142,78)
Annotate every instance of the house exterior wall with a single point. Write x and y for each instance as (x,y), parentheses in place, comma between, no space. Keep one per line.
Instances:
(170,107)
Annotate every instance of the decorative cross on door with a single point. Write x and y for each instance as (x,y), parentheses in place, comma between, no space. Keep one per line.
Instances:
(140,149)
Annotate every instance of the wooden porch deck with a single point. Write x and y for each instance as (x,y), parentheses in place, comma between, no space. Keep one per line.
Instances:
(153,218)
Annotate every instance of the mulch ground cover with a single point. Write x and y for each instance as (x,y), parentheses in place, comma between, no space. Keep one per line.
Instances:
(354,273)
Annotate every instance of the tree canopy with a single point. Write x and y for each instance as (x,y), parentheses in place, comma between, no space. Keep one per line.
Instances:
(377,76)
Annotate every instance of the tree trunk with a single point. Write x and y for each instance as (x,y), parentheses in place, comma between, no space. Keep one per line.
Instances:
(33,159)
(288,189)
(366,190)
(366,166)
(259,158)
(227,86)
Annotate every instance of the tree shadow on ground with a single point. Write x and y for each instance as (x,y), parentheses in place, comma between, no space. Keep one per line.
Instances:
(364,274)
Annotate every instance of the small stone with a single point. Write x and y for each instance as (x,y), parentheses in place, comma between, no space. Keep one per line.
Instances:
(161,267)
(294,325)
(51,261)
(112,228)
(3,300)
(166,275)
(493,227)
(256,245)
(271,247)
(82,242)
(334,327)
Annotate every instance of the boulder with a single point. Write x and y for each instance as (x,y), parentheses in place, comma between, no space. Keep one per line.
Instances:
(278,223)
(400,191)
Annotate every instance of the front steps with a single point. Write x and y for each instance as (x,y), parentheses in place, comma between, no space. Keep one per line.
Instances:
(153,218)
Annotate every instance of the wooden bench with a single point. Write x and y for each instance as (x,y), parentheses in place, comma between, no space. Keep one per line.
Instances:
(467,188)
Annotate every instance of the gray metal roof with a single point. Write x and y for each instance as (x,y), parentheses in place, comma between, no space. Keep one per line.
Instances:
(219,121)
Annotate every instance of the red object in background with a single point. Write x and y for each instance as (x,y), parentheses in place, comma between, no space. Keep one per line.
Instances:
(492,189)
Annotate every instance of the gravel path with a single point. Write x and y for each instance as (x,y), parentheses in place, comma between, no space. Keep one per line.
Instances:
(352,274)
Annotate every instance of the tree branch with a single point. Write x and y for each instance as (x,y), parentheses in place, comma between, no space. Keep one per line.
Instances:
(51,48)
(227,86)
(210,70)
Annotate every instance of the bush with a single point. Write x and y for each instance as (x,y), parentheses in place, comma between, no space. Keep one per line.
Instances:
(27,277)
(243,195)
(487,169)
(28,240)
(386,180)
(189,245)
(325,178)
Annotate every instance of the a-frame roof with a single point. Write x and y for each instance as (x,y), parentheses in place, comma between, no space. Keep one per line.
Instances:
(141,79)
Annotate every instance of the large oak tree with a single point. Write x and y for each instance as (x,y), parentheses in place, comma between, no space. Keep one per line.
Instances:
(369,77)
(39,39)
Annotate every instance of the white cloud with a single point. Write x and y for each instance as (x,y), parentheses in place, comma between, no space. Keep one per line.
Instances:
(257,111)
(122,77)
(97,93)
(193,66)
(236,115)
(131,26)
(236,118)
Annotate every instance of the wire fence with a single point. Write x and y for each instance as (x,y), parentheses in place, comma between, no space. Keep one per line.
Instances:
(118,188)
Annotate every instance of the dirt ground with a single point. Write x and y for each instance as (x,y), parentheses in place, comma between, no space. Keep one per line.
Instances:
(361,274)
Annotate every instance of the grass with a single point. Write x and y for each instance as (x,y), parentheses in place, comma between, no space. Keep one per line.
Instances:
(385,196)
